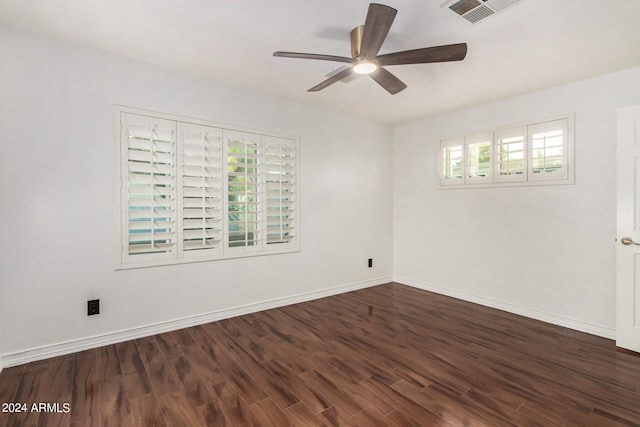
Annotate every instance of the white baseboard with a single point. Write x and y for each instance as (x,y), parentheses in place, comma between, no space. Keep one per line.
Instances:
(578,325)
(48,351)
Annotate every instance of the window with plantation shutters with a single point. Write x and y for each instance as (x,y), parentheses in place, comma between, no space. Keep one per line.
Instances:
(538,153)
(280,185)
(194,191)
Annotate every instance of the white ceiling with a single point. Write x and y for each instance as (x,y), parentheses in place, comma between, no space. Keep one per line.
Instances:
(533,45)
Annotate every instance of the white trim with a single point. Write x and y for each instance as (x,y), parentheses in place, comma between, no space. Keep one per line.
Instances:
(578,325)
(53,350)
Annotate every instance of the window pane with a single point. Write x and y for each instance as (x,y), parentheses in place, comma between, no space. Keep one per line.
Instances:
(479,159)
(452,161)
(511,156)
(547,151)
(242,191)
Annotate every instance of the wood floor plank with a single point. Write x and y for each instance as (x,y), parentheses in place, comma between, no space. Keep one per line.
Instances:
(147,411)
(177,410)
(365,418)
(234,407)
(114,400)
(278,392)
(160,376)
(168,345)
(334,417)
(312,398)
(107,362)
(388,355)
(136,384)
(203,363)
(334,394)
(196,390)
(129,357)
(85,389)
(210,414)
(301,416)
(270,414)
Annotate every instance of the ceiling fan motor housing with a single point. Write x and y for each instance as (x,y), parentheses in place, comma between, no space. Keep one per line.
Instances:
(356,40)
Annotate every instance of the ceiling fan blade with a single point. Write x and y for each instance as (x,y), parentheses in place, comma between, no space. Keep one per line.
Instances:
(331,80)
(388,81)
(451,52)
(314,56)
(376,27)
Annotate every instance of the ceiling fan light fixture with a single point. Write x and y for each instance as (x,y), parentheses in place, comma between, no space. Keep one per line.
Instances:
(365,67)
(366,42)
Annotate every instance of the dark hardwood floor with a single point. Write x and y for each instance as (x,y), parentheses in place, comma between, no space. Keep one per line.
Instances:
(389,355)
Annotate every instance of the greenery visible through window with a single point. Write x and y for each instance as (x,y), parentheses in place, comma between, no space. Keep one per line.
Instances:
(242,193)
(479,159)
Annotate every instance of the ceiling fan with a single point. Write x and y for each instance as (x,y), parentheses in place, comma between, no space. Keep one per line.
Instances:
(366,41)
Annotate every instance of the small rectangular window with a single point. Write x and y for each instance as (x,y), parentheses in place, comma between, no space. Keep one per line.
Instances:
(538,153)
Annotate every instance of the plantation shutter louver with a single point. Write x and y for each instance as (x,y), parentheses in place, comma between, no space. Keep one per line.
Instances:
(149,155)
(280,183)
(201,189)
(243,190)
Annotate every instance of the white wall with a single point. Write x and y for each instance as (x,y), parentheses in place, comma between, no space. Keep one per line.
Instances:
(56,122)
(546,251)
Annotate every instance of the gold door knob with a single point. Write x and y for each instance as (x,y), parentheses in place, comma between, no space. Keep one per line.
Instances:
(628,241)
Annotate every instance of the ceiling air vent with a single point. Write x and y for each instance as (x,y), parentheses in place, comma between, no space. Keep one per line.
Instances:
(475,11)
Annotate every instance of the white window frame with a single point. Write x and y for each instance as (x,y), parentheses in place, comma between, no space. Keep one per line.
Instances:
(563,176)
(214,187)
